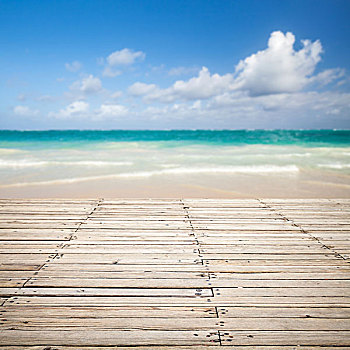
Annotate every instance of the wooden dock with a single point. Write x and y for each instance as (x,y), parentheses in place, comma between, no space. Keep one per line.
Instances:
(175,274)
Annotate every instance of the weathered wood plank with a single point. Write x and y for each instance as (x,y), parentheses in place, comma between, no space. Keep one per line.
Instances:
(175,282)
(315,338)
(112,291)
(12,311)
(162,271)
(303,301)
(180,347)
(108,337)
(281,292)
(238,324)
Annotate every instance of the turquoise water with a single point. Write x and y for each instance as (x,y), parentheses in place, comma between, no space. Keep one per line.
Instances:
(65,138)
(60,157)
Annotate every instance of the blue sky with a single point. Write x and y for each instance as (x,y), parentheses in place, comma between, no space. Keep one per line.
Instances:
(174,64)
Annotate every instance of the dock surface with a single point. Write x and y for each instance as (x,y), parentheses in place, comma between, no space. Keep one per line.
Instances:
(175,274)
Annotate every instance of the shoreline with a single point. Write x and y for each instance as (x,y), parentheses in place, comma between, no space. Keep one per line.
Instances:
(304,185)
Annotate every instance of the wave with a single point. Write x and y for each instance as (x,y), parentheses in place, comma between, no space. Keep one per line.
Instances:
(22,163)
(334,166)
(262,169)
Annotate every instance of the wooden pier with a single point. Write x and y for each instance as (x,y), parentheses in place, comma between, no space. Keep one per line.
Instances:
(175,274)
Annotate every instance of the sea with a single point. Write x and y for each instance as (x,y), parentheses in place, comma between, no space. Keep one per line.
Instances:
(42,159)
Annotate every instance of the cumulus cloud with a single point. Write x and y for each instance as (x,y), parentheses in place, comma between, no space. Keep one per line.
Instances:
(25,111)
(87,85)
(75,109)
(73,66)
(81,109)
(124,57)
(204,86)
(279,68)
(111,110)
(140,89)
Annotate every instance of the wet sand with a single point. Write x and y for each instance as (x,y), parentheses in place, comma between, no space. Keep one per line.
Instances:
(302,185)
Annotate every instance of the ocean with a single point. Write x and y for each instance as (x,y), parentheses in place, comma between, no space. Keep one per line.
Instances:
(213,163)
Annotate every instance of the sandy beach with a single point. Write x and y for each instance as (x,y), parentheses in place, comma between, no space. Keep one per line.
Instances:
(302,185)
(172,164)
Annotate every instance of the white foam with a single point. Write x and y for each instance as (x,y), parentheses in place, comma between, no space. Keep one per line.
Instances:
(262,169)
(334,166)
(23,163)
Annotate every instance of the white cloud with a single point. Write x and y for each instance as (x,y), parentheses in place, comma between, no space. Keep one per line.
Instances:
(279,68)
(328,76)
(91,84)
(183,70)
(46,98)
(125,57)
(110,72)
(74,66)
(140,89)
(117,94)
(87,85)
(81,109)
(297,104)
(203,86)
(25,111)
(111,110)
(75,109)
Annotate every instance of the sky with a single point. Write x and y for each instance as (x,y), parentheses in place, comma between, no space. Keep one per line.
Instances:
(175,64)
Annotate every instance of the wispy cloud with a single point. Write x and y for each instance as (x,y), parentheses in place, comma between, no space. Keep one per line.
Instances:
(183,71)
(73,66)
(25,111)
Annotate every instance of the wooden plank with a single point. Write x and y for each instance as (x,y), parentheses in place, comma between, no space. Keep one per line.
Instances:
(180,347)
(315,338)
(132,267)
(12,311)
(303,301)
(139,274)
(159,323)
(113,292)
(282,292)
(121,283)
(110,257)
(285,312)
(20,266)
(139,265)
(12,282)
(108,337)
(276,262)
(176,282)
(319,284)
